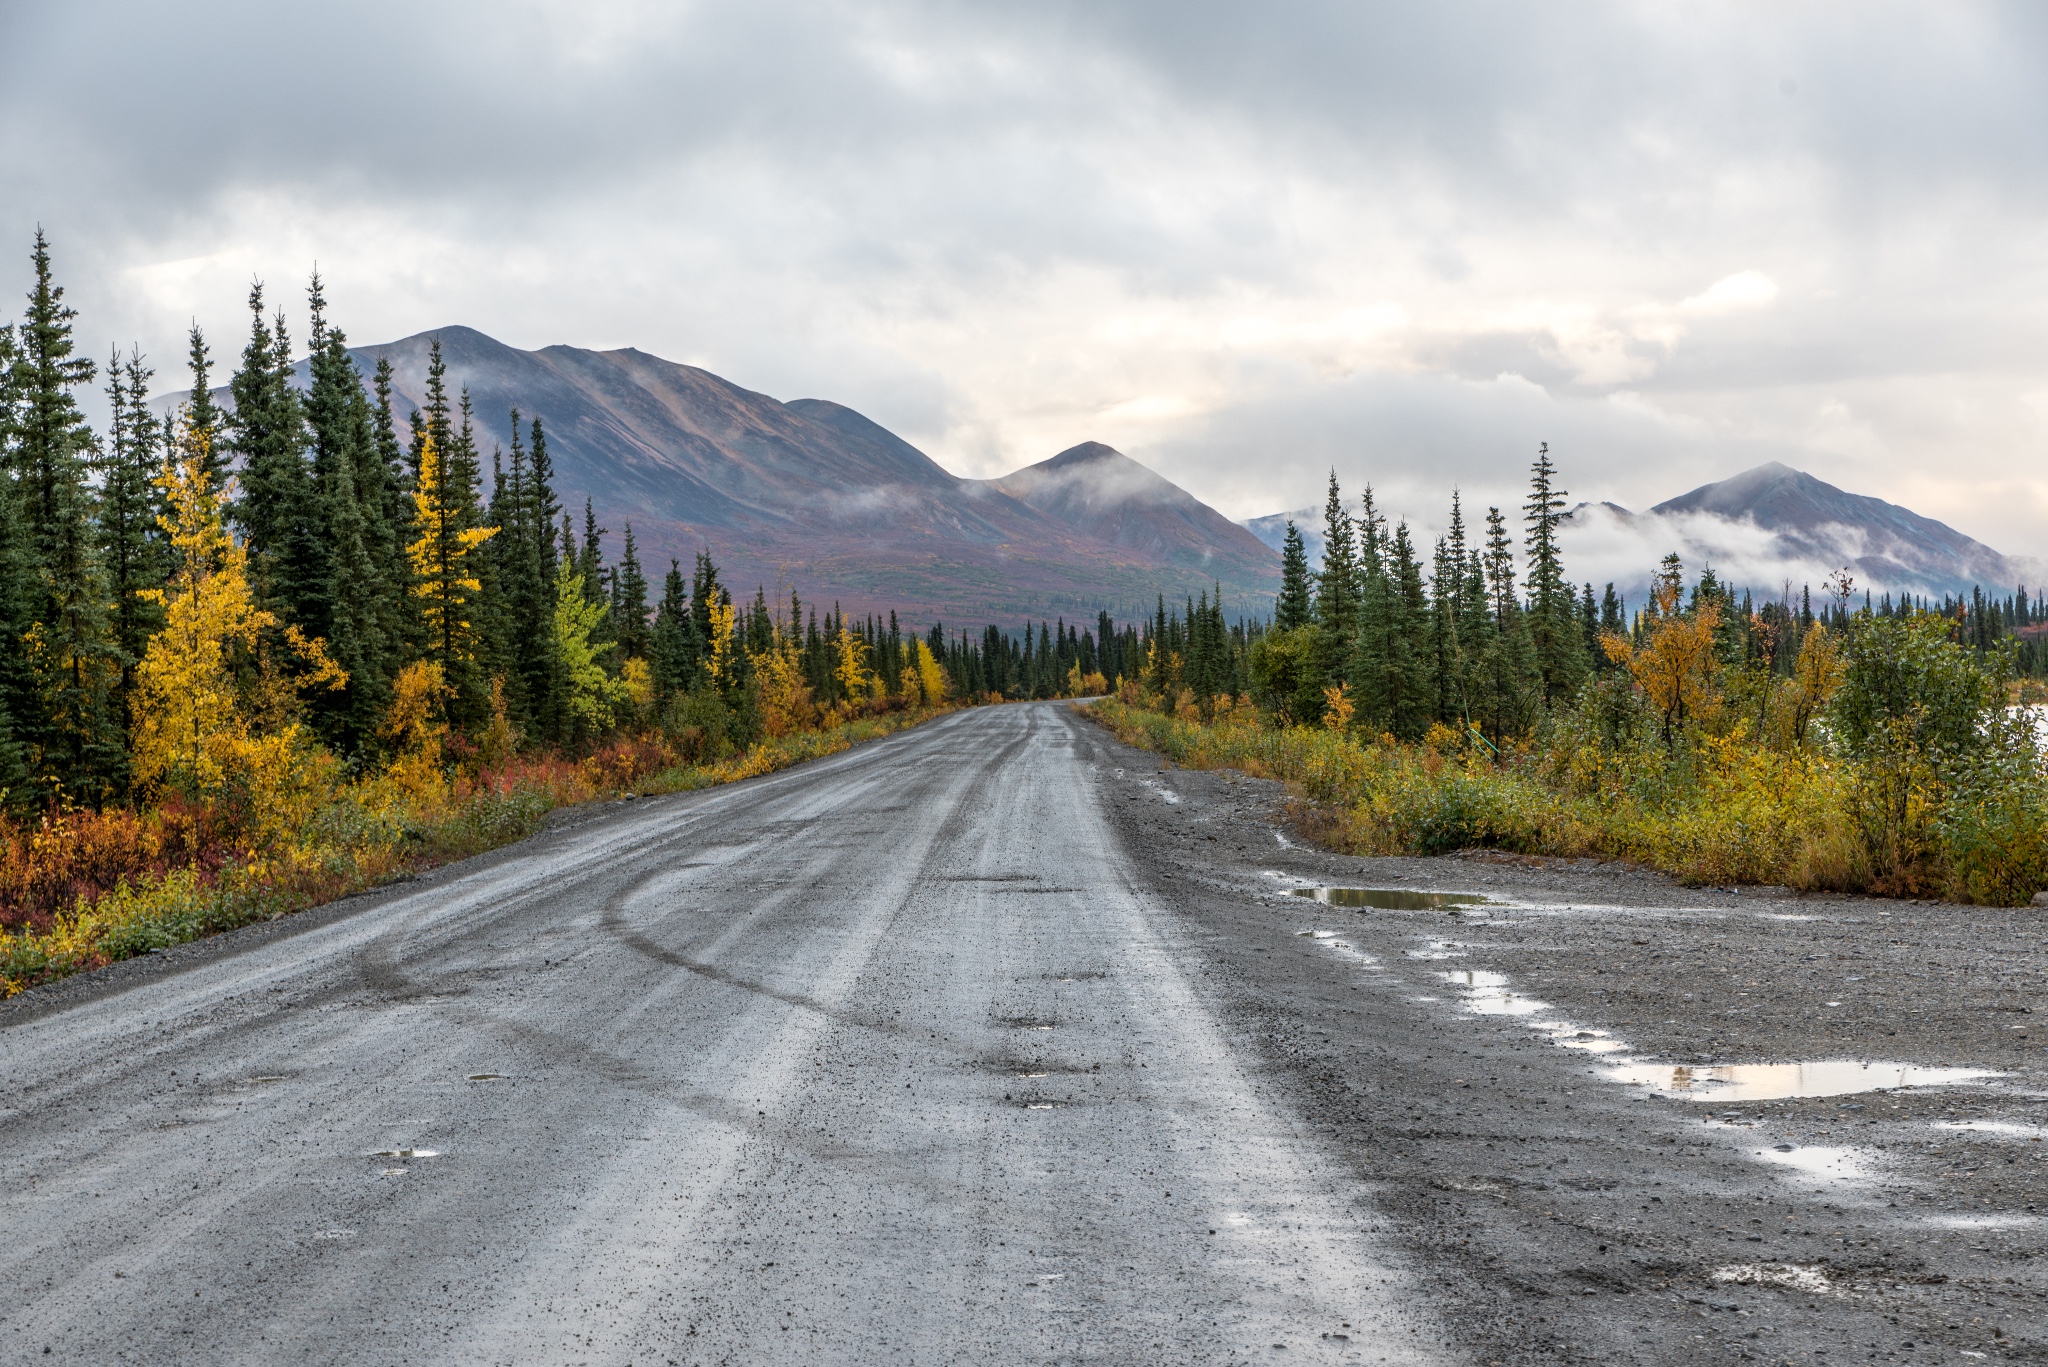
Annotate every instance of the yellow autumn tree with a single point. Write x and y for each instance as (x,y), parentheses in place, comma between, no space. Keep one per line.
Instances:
(217,689)
(724,646)
(850,666)
(442,572)
(1676,665)
(414,728)
(931,676)
(1816,674)
(780,692)
(592,694)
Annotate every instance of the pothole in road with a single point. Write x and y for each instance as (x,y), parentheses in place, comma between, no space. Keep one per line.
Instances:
(1777,1081)
(1391,899)
(487,1077)
(1027,1022)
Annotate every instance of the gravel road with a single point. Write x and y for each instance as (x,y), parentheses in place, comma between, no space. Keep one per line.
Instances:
(999,1042)
(891,1058)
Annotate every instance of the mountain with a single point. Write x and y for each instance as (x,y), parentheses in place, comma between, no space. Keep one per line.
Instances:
(812,495)
(1773,524)
(1762,530)
(1272,529)
(1103,493)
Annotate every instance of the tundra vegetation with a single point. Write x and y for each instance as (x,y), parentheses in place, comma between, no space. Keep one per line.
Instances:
(258,654)
(1868,747)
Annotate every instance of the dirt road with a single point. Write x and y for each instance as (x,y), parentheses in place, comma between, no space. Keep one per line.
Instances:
(996,1042)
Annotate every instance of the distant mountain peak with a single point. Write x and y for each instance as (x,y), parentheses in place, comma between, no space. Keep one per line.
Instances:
(1103,493)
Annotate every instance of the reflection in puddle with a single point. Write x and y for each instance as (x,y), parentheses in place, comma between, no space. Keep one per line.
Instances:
(1815,1160)
(1487,994)
(406,1153)
(1328,940)
(1771,1081)
(1390,899)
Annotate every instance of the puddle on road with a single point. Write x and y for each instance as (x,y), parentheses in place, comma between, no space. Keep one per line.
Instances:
(1487,994)
(270,1077)
(406,1153)
(1328,939)
(1391,899)
(1824,1162)
(1776,1081)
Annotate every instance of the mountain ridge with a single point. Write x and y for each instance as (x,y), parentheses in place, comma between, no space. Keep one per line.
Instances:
(812,495)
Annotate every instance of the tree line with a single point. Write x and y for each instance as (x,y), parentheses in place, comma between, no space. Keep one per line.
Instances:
(389,569)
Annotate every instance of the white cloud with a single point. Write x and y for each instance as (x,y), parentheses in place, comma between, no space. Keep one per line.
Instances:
(1732,294)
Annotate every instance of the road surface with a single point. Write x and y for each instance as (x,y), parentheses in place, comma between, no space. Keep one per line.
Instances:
(902,1056)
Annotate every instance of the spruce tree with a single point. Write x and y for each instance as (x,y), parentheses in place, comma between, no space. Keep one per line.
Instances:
(1294,608)
(201,413)
(1507,670)
(1554,631)
(673,648)
(1336,588)
(630,602)
(133,550)
(75,747)
(17,605)
(352,522)
(278,510)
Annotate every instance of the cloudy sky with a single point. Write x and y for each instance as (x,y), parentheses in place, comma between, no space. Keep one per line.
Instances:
(1242,243)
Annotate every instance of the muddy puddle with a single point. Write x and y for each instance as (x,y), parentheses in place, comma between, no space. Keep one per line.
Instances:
(1779,1081)
(1391,899)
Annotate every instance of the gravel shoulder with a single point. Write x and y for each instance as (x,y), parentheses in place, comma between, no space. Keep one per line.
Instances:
(1463,1058)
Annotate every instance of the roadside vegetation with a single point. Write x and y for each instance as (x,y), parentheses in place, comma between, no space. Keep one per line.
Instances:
(1869,748)
(259,655)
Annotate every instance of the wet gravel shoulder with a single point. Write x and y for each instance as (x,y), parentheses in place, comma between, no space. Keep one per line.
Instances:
(1459,1058)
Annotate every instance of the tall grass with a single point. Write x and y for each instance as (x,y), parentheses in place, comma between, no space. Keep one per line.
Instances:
(1714,810)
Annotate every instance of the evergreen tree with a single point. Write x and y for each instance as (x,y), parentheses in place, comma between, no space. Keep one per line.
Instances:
(630,603)
(17,605)
(1294,608)
(1507,671)
(75,748)
(133,550)
(278,511)
(1556,637)
(201,414)
(386,482)
(673,645)
(1336,588)
(352,606)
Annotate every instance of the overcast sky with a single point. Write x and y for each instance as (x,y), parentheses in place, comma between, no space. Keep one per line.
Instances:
(1242,243)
